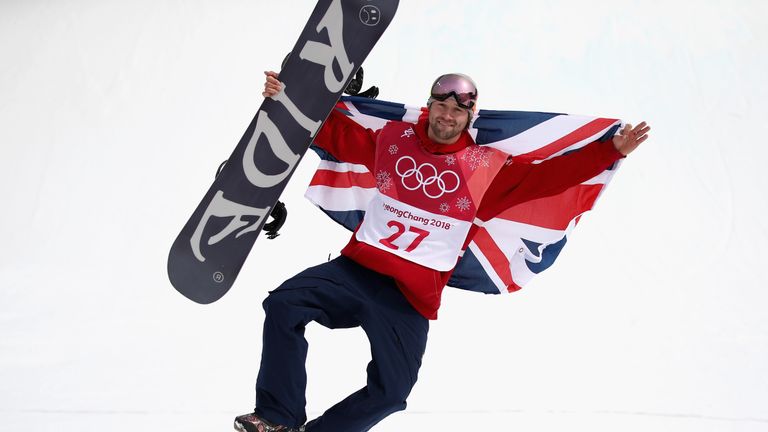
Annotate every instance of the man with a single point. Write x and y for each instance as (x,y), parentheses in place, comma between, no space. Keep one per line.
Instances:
(390,276)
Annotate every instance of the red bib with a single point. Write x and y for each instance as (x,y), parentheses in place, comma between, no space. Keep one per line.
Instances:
(425,203)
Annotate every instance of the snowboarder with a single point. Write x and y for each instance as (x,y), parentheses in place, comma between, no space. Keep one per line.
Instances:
(390,276)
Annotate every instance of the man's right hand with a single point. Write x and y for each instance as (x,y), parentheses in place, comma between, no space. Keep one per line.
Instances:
(272,85)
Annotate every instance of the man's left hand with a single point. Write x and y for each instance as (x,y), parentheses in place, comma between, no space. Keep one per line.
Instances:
(631,137)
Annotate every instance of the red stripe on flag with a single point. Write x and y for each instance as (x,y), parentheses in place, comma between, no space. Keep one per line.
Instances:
(494,255)
(557,211)
(513,287)
(582,133)
(342,106)
(342,179)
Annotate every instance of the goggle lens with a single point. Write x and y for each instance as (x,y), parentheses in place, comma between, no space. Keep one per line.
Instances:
(459,86)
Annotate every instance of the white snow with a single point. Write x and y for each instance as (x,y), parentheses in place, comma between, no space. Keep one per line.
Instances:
(115,115)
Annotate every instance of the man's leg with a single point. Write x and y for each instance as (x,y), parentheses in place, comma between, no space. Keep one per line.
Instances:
(309,296)
(398,337)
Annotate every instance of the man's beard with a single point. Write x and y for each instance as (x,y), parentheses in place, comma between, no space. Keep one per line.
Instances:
(444,132)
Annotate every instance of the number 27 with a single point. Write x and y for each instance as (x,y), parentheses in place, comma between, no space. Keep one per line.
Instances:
(400,230)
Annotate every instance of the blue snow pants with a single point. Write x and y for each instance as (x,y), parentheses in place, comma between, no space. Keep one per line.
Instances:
(339,294)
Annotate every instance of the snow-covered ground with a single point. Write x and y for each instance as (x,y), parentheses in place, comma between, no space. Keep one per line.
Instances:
(114,116)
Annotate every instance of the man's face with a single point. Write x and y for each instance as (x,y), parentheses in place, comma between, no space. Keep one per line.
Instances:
(446,121)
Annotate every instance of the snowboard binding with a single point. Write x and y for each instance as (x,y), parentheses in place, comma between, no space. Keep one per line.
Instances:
(278,214)
(353,89)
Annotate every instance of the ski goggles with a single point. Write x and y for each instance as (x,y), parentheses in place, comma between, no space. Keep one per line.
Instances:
(458,86)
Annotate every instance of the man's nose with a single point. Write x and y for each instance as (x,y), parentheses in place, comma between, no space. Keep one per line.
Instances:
(445,115)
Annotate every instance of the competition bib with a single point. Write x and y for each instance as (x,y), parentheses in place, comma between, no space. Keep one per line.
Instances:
(416,235)
(425,203)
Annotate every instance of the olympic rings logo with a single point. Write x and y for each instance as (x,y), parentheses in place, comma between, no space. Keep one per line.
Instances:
(425,175)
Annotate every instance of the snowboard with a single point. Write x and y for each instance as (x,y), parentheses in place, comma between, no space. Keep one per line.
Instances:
(210,250)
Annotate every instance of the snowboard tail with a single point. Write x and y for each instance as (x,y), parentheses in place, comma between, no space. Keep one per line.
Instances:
(207,255)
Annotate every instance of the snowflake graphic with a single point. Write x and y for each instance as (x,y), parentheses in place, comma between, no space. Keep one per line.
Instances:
(463,204)
(393,149)
(444,207)
(383,181)
(450,160)
(477,157)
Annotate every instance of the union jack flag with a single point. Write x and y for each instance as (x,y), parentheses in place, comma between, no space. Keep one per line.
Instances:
(508,250)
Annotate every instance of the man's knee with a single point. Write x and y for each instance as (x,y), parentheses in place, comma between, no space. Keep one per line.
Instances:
(279,302)
(391,397)
(388,404)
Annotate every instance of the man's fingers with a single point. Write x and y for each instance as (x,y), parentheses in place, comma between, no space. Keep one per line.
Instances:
(637,131)
(270,90)
(272,85)
(631,137)
(642,128)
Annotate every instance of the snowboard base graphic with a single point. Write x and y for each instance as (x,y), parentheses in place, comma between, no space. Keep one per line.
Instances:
(210,250)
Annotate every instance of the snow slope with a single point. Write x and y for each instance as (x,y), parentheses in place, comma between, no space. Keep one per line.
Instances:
(114,116)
